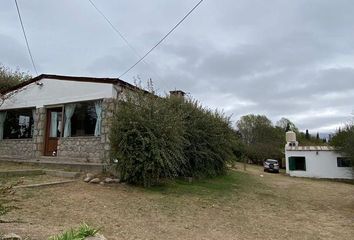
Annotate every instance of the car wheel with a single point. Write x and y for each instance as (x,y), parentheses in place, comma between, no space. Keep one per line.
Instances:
(264,170)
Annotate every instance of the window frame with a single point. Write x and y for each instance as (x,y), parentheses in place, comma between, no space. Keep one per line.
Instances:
(90,103)
(341,162)
(17,117)
(292,163)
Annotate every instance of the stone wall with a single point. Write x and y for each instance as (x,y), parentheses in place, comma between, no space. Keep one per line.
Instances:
(92,149)
(107,116)
(40,119)
(17,148)
(89,149)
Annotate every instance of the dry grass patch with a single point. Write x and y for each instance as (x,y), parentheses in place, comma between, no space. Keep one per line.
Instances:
(240,205)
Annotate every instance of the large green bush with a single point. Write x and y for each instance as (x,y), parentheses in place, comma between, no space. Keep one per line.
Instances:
(156,138)
(147,139)
(343,141)
(209,140)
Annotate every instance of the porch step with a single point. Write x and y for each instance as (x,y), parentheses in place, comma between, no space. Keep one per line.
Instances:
(54,163)
(63,174)
(44,184)
(63,160)
(22,172)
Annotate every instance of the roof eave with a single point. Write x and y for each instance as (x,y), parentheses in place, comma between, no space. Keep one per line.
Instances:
(115,81)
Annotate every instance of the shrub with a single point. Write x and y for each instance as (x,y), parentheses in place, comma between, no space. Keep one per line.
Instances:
(156,138)
(343,141)
(81,233)
(209,139)
(146,139)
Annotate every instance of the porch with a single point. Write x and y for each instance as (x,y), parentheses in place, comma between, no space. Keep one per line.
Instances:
(68,133)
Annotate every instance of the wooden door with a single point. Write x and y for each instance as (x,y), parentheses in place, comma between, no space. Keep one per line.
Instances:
(54,131)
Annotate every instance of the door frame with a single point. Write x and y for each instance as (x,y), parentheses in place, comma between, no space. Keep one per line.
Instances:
(47,126)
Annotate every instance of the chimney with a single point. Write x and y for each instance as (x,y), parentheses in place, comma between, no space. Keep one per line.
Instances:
(291,139)
(177,93)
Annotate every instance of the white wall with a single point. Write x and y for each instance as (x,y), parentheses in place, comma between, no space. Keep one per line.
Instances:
(321,165)
(57,92)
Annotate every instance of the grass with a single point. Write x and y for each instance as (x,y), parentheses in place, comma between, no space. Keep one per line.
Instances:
(6,199)
(77,234)
(238,205)
(221,186)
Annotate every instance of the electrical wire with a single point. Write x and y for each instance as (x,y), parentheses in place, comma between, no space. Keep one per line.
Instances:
(120,34)
(114,28)
(159,42)
(24,34)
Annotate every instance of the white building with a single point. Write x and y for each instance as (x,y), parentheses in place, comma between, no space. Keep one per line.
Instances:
(315,161)
(59,116)
(65,117)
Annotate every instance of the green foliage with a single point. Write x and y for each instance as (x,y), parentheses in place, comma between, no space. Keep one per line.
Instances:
(286,125)
(147,139)
(77,234)
(343,141)
(262,140)
(209,142)
(307,135)
(9,78)
(156,138)
(306,139)
(212,188)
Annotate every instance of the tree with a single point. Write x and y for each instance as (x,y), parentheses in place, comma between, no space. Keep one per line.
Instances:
(286,125)
(305,139)
(252,127)
(8,79)
(262,140)
(307,134)
(343,141)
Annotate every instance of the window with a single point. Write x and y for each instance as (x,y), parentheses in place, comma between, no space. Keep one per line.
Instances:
(343,162)
(83,121)
(19,124)
(297,163)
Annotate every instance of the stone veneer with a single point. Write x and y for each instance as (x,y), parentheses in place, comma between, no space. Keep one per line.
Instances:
(90,149)
(17,148)
(107,117)
(40,119)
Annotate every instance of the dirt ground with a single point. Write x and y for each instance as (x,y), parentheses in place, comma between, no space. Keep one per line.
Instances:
(242,205)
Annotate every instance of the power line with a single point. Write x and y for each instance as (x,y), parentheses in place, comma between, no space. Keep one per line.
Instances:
(114,28)
(24,34)
(120,34)
(158,43)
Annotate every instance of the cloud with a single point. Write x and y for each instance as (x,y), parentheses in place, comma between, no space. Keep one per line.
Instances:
(278,58)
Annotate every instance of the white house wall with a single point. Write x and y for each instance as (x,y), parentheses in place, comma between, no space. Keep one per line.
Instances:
(58,92)
(321,165)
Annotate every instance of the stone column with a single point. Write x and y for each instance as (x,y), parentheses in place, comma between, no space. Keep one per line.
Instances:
(39,131)
(107,116)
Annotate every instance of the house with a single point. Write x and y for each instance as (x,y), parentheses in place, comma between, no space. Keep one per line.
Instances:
(315,161)
(59,116)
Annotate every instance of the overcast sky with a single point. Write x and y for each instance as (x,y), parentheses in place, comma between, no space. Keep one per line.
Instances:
(291,59)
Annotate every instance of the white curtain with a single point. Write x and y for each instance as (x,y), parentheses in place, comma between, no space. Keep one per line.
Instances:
(54,124)
(98,108)
(69,112)
(2,121)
